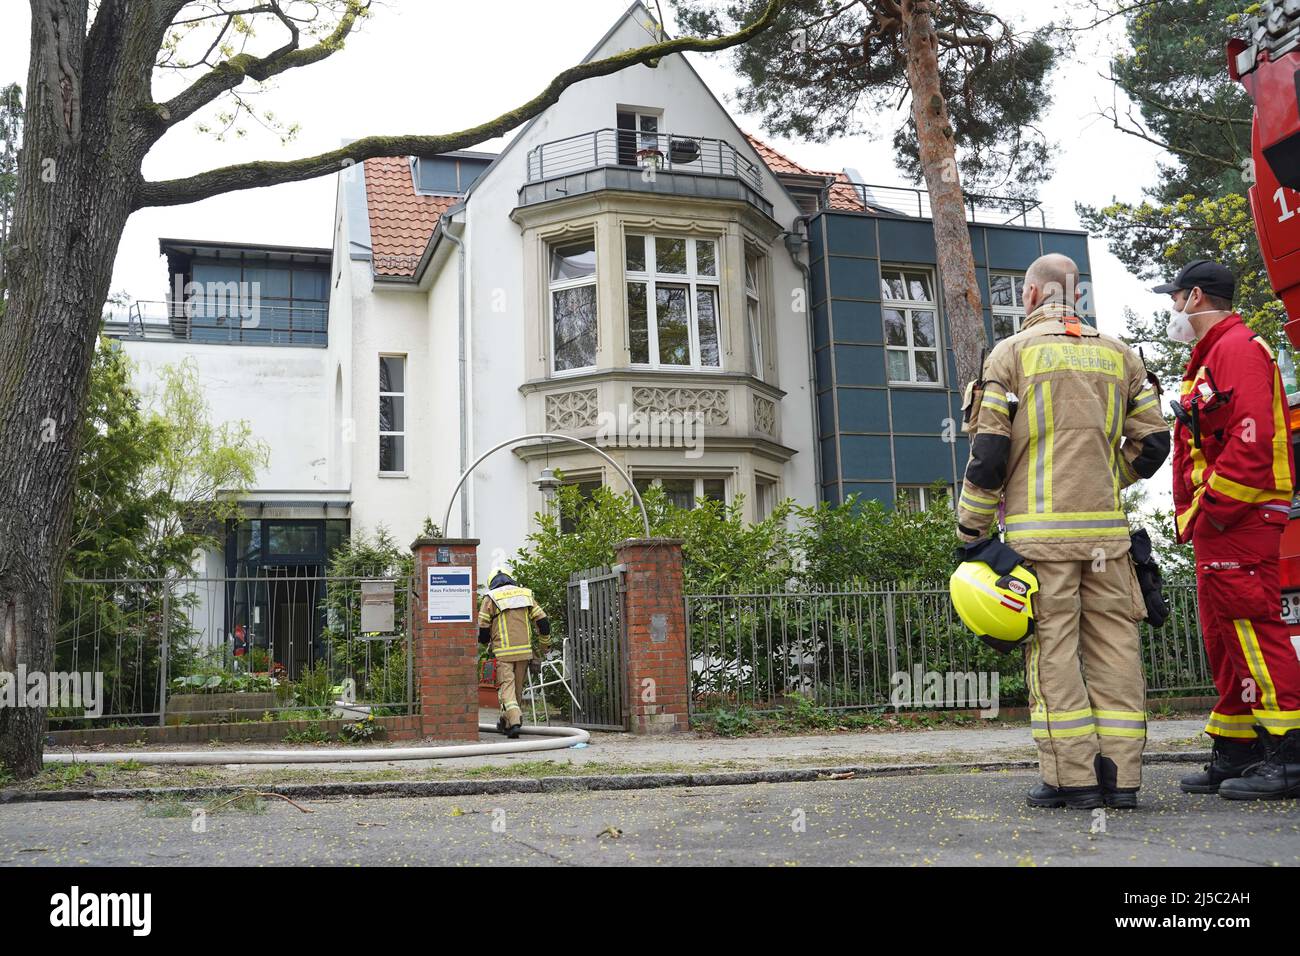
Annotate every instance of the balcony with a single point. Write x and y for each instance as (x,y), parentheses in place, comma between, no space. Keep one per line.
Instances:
(289,324)
(658,163)
(915,203)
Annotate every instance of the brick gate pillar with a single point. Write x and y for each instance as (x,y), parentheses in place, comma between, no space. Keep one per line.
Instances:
(654,625)
(446,651)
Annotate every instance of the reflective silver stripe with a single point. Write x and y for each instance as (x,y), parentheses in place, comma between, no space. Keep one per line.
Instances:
(1115,722)
(1045,724)
(1120,522)
(1117,426)
(1040,459)
(1143,403)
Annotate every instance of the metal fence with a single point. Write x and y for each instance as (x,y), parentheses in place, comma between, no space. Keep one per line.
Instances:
(598,655)
(293,640)
(841,649)
(980,208)
(630,148)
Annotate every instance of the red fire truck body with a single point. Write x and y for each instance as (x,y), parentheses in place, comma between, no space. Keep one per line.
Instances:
(1268,66)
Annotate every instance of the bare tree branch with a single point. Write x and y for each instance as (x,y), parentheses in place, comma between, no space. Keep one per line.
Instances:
(252,175)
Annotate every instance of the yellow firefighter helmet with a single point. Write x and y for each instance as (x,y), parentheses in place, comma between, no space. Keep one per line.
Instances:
(997,607)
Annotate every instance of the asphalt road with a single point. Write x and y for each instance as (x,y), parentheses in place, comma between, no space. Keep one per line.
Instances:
(941,819)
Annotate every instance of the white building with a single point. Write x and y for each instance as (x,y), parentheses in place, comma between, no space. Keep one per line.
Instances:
(473,298)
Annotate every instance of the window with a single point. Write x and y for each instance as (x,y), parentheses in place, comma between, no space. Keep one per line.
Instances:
(753,309)
(392,414)
(764,497)
(637,130)
(921,497)
(672,302)
(911,326)
(1007,298)
(686,492)
(587,487)
(573,305)
(254,301)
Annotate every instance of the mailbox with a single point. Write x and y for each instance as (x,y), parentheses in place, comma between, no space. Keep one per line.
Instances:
(377,607)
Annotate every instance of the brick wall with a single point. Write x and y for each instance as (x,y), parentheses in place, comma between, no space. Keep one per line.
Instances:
(654,621)
(446,655)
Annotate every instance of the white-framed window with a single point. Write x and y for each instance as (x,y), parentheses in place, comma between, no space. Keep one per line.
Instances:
(638,130)
(921,497)
(911,315)
(685,492)
(1007,300)
(672,302)
(392,414)
(573,304)
(754,307)
(764,497)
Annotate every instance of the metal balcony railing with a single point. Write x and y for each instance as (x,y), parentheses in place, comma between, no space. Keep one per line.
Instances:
(980,208)
(671,152)
(223,323)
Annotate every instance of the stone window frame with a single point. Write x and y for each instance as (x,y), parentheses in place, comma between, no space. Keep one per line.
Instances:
(692,279)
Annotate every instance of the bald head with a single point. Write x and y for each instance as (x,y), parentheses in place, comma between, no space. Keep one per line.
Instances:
(1051,278)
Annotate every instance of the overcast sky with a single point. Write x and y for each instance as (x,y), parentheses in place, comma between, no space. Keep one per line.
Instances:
(430,67)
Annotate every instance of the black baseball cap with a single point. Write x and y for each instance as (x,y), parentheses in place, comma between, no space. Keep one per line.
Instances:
(1212,279)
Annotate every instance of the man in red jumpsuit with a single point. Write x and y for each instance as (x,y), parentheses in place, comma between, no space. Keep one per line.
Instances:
(1233,479)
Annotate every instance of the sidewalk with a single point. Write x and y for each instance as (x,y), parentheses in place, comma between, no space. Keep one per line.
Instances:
(974,744)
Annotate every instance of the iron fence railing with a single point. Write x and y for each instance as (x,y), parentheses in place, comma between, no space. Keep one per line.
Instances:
(842,648)
(225,321)
(980,208)
(630,148)
(294,640)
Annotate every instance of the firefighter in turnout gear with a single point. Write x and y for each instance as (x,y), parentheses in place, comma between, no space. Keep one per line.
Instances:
(1233,481)
(1062,419)
(507,617)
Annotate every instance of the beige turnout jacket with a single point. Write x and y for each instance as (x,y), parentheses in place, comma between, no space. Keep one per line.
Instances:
(1058,457)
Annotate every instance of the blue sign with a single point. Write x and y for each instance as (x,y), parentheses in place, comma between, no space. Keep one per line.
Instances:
(450,595)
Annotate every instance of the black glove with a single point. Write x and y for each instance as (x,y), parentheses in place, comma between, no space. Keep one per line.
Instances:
(998,556)
(1148,575)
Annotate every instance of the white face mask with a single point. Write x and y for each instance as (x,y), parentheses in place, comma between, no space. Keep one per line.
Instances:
(1180,327)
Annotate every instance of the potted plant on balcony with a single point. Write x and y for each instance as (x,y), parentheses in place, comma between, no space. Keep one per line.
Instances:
(650,158)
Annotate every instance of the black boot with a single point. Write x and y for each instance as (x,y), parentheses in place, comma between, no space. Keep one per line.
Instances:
(501,724)
(1115,797)
(1274,777)
(514,730)
(1229,759)
(1076,798)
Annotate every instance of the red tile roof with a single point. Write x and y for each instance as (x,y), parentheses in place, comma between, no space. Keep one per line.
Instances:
(842,194)
(401,220)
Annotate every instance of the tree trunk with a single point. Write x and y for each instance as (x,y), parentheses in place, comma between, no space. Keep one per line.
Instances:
(934,133)
(76,184)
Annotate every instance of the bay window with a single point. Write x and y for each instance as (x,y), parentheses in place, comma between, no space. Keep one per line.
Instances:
(672,302)
(573,305)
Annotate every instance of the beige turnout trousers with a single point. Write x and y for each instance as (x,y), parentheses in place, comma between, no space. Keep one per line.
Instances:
(512,678)
(1083,667)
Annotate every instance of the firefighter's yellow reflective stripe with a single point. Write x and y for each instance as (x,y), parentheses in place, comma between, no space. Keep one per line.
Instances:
(1237,726)
(1185,519)
(1198,464)
(1137,715)
(1278,721)
(1281,459)
(1187,386)
(1246,493)
(1113,421)
(1255,661)
(1072,357)
(1040,447)
(537,613)
(1069,524)
(1126,471)
(978,509)
(1147,398)
(1031,675)
(997,401)
(1064,723)
(976,495)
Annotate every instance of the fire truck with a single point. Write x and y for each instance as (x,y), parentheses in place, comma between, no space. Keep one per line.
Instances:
(1267,64)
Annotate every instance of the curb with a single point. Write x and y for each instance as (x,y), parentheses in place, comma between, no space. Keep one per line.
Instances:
(466,788)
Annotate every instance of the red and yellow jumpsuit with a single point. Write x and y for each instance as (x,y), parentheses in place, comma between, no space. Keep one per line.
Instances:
(1232,496)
